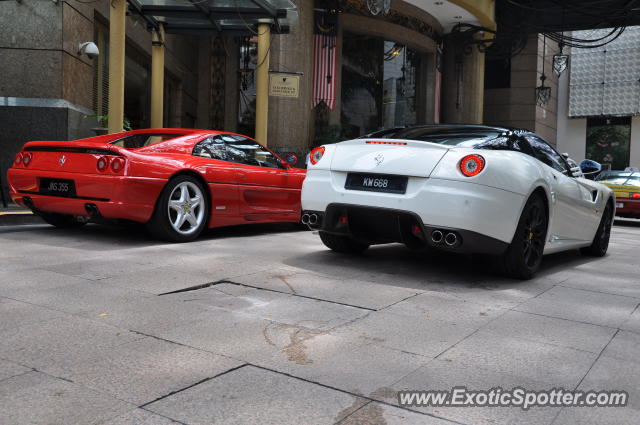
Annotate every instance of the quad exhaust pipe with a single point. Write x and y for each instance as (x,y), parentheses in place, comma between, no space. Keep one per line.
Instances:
(451,239)
(309,219)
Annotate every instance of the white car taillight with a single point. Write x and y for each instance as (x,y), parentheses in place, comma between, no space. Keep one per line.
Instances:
(316,155)
(471,165)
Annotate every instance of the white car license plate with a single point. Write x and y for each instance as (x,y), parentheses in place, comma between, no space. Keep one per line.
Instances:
(376,182)
(619,205)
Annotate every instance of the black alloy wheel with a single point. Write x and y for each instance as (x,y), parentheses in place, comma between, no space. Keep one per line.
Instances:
(600,244)
(523,256)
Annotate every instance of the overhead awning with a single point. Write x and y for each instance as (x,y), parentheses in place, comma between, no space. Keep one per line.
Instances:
(216,17)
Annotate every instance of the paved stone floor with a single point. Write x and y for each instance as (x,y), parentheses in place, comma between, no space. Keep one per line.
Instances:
(96,327)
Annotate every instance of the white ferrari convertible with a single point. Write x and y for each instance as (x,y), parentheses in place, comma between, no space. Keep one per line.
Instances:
(459,188)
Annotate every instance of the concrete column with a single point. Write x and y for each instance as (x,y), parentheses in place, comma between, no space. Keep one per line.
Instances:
(292,120)
(157,77)
(117,14)
(262,82)
(462,83)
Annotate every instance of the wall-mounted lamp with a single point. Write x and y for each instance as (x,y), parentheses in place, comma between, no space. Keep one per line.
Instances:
(89,48)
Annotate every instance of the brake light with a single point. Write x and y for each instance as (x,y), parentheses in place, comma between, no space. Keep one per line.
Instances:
(385,143)
(18,159)
(26,158)
(471,165)
(316,155)
(635,195)
(117,164)
(102,163)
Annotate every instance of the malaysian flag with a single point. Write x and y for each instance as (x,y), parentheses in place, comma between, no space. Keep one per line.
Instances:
(324,70)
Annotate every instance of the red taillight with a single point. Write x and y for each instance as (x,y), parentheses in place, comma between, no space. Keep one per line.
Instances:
(102,163)
(26,158)
(471,165)
(18,159)
(635,195)
(117,164)
(316,155)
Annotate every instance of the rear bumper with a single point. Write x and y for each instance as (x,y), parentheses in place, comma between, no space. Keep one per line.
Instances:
(116,197)
(630,208)
(381,225)
(437,203)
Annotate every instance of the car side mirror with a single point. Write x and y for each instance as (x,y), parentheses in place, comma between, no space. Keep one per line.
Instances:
(574,168)
(290,160)
(590,167)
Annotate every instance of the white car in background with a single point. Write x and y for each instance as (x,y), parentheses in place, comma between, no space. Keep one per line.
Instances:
(459,188)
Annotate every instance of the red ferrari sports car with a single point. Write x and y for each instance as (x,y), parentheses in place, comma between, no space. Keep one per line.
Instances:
(178,181)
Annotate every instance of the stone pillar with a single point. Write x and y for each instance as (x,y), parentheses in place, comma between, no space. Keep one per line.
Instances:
(462,83)
(291,121)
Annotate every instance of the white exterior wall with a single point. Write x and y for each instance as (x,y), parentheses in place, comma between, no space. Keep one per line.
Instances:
(572,132)
(634,157)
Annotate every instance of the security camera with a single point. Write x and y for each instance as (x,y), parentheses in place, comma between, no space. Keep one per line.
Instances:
(89,48)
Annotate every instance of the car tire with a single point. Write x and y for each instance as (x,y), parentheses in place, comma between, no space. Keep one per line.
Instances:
(342,243)
(181,212)
(63,221)
(600,244)
(523,256)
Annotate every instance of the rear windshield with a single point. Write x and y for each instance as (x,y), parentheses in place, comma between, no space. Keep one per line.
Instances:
(453,136)
(140,140)
(620,177)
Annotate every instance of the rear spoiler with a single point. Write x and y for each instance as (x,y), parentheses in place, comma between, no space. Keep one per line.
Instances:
(74,147)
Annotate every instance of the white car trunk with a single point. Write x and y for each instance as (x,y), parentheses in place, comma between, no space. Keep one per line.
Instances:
(406,158)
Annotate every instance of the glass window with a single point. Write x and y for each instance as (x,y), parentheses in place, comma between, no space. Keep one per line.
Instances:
(246,151)
(608,141)
(620,178)
(141,140)
(211,147)
(545,153)
(380,85)
(234,148)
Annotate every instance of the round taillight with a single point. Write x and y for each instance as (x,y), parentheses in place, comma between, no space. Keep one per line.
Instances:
(316,155)
(635,195)
(18,159)
(471,165)
(26,158)
(117,164)
(102,164)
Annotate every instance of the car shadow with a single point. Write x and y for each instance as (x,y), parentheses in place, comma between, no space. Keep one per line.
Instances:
(395,265)
(108,237)
(626,222)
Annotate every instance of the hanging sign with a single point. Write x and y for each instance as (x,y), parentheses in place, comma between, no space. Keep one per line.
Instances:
(284,85)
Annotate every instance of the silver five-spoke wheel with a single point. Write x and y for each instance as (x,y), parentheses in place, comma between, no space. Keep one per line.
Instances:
(186,211)
(182,210)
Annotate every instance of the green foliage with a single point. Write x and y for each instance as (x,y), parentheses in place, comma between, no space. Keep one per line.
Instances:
(104,121)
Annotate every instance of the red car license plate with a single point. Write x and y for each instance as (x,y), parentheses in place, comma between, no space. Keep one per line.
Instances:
(57,187)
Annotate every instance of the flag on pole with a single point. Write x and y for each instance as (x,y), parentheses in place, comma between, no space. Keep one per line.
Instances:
(438,89)
(324,70)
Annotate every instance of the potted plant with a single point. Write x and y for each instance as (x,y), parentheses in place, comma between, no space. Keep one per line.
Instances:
(103,121)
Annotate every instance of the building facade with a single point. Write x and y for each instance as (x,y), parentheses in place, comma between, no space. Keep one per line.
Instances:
(594,106)
(599,102)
